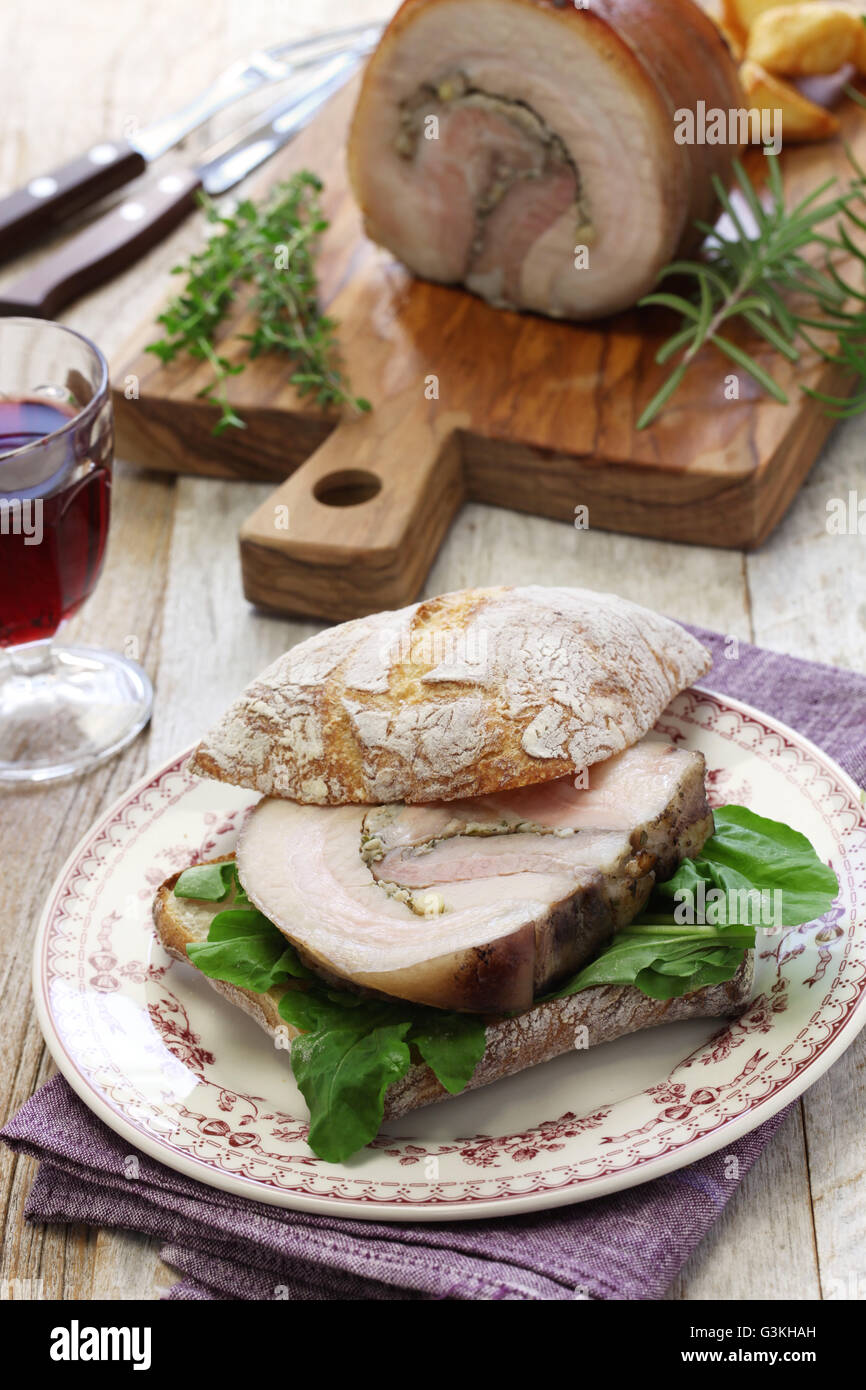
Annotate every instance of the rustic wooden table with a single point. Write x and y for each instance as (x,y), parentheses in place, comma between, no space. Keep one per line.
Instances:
(171,593)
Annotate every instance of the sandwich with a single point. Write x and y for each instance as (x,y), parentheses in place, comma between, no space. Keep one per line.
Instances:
(472,853)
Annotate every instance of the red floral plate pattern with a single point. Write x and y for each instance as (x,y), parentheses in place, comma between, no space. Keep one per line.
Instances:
(187,1078)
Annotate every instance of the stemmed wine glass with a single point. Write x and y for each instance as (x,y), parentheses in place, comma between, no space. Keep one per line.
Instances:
(63,709)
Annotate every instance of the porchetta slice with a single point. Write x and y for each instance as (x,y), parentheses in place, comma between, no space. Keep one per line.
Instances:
(495,138)
(480,904)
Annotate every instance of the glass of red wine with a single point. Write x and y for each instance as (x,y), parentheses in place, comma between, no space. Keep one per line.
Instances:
(63,709)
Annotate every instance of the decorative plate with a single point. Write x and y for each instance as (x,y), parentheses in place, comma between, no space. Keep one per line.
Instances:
(188,1078)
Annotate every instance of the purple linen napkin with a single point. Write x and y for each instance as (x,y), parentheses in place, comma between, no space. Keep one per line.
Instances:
(627,1246)
(825,704)
(630,1245)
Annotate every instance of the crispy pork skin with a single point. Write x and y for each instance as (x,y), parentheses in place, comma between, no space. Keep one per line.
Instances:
(494,138)
(479,905)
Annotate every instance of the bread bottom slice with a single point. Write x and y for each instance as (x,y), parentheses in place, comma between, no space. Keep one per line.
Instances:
(596,1015)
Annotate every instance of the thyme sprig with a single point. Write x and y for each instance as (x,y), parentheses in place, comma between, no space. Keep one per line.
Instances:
(760,276)
(271,247)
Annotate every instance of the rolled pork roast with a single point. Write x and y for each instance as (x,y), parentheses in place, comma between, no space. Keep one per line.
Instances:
(483,904)
(525,148)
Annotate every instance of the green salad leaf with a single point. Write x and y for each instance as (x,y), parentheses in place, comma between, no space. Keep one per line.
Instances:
(451,1044)
(244,948)
(351,1050)
(212,883)
(665,962)
(343,1073)
(748,853)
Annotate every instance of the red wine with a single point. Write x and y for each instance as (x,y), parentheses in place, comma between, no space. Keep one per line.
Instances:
(53,533)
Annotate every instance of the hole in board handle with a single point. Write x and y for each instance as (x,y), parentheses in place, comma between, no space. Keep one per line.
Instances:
(347,488)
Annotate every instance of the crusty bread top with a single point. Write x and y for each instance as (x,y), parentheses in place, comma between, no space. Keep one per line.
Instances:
(462,695)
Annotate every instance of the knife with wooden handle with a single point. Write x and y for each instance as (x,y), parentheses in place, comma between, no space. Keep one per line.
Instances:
(103,249)
(118,238)
(47,200)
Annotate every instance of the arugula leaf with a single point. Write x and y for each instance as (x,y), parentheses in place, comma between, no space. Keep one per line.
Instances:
(351,1050)
(748,853)
(244,948)
(452,1045)
(665,963)
(344,1061)
(317,1009)
(212,883)
(343,1073)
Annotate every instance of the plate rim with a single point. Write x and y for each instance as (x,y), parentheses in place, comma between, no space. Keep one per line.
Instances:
(370,1210)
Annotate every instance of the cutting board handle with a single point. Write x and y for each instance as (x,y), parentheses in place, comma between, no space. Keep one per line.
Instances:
(357,527)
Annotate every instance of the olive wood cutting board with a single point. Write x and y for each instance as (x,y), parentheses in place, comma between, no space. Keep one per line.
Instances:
(472,403)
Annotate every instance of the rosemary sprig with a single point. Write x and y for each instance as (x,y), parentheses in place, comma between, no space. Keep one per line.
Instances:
(760,277)
(272,248)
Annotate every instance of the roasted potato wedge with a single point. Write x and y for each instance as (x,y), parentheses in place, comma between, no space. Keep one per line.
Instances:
(802,120)
(805,40)
(738,16)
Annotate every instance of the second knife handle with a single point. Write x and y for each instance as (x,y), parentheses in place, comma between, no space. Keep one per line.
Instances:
(110,244)
(46,201)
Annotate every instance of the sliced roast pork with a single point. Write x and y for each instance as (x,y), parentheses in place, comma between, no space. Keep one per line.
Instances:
(482,904)
(527,150)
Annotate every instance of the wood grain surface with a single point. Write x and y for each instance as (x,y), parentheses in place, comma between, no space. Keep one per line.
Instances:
(474,404)
(171,592)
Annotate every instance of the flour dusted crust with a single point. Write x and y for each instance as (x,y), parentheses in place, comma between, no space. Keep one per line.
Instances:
(462,695)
